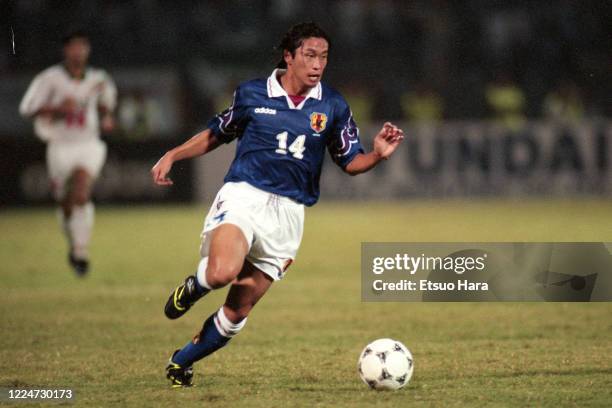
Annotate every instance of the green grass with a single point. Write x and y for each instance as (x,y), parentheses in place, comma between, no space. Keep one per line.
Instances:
(106,336)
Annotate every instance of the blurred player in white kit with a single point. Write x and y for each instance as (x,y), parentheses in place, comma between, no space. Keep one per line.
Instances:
(69,103)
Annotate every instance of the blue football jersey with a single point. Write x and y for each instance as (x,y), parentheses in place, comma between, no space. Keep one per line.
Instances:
(281,146)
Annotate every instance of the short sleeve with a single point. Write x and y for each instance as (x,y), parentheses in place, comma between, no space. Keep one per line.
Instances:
(344,143)
(229,124)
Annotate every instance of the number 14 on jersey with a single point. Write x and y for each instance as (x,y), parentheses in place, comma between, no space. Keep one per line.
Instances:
(296,148)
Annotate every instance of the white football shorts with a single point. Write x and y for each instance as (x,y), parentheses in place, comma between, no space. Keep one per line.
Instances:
(64,158)
(272,225)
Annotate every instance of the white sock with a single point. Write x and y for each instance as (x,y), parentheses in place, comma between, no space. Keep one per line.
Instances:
(80,225)
(201,273)
(225,326)
(64,223)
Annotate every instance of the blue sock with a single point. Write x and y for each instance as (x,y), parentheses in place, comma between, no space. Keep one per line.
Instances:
(209,340)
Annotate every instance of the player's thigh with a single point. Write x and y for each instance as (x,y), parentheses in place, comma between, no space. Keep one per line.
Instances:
(227,251)
(86,168)
(81,182)
(248,288)
(59,166)
(279,234)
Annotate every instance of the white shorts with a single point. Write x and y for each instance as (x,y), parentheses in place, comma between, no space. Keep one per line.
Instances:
(272,225)
(64,158)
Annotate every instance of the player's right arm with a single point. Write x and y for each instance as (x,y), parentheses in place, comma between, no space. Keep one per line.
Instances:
(198,145)
(36,99)
(223,128)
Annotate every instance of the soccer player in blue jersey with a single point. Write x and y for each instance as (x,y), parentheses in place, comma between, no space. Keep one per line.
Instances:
(283,125)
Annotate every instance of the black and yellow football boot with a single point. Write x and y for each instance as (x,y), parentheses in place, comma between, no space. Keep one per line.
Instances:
(183,297)
(179,376)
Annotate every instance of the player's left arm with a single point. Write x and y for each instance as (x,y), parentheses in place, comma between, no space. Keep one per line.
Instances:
(386,142)
(107,103)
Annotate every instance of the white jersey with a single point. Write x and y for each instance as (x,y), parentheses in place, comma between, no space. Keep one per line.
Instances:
(55,85)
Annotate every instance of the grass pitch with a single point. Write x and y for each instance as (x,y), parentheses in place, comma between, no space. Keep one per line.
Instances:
(106,337)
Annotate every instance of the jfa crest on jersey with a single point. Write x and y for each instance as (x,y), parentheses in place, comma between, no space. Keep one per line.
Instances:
(281,146)
(318,121)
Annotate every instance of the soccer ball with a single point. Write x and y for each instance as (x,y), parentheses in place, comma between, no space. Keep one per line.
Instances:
(385,364)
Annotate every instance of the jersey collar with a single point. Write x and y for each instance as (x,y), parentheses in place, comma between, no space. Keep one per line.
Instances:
(275,90)
(67,72)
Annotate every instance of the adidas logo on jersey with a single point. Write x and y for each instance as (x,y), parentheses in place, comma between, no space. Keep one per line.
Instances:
(266,111)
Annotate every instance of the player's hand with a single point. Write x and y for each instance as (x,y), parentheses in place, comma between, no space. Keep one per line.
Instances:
(161,169)
(387,140)
(108,123)
(67,107)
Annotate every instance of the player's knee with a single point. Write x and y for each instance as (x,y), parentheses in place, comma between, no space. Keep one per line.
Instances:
(217,281)
(219,274)
(81,197)
(80,187)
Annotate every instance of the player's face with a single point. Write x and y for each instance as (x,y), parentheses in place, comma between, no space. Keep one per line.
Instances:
(77,51)
(309,61)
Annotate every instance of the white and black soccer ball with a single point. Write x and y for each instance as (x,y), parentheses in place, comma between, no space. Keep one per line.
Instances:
(385,364)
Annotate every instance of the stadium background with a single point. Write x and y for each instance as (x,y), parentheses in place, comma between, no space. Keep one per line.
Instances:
(499,99)
(506,107)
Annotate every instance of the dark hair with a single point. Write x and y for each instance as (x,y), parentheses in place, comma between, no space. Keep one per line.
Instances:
(71,35)
(294,38)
